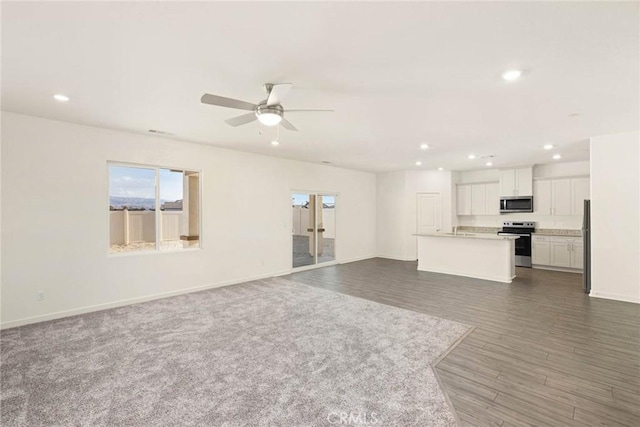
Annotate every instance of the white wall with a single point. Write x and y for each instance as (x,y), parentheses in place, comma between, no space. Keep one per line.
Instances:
(615,217)
(49,167)
(552,170)
(558,170)
(396,199)
(391,208)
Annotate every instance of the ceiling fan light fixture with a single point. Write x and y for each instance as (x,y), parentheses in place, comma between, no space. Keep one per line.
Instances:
(269,119)
(269,115)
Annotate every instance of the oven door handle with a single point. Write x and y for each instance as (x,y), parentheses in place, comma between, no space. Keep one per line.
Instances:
(510,234)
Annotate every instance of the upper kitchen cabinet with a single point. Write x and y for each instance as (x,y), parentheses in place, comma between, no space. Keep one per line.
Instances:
(463,205)
(478,199)
(516,182)
(493,198)
(580,188)
(560,196)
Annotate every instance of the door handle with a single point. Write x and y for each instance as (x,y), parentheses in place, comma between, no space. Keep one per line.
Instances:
(320,230)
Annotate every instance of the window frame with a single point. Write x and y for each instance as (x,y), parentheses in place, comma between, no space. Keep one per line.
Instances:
(158,212)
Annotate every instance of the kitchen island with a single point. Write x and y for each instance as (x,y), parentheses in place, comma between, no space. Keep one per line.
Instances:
(482,256)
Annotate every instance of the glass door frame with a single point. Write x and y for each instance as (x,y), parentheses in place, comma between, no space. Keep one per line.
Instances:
(315,264)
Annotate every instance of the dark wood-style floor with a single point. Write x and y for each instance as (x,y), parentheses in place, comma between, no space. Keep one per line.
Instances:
(542,352)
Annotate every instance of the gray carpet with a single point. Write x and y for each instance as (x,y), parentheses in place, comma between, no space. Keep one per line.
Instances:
(263,353)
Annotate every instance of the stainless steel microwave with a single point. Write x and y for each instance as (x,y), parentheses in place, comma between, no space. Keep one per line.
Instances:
(516,204)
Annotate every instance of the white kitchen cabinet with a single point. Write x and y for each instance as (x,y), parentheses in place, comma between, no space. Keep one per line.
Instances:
(542,197)
(493,198)
(561,196)
(556,196)
(565,252)
(560,253)
(540,250)
(580,191)
(516,182)
(463,199)
(478,199)
(557,251)
(577,260)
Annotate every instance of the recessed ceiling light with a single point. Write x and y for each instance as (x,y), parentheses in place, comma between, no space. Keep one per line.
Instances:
(275,142)
(424,146)
(489,163)
(471,156)
(418,163)
(557,156)
(440,169)
(510,75)
(548,146)
(60,97)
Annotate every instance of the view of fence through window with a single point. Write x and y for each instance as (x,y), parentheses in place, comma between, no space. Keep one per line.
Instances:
(153,208)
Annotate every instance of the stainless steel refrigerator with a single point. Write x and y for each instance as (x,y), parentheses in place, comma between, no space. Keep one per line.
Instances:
(586,237)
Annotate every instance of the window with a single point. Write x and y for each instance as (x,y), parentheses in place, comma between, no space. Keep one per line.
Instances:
(153,209)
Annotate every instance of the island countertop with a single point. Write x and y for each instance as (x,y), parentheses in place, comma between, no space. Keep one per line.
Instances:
(462,235)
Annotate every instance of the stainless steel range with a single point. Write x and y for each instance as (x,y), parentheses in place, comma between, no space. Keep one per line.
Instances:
(523,244)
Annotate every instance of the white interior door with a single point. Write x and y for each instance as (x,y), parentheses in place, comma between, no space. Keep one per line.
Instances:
(429,213)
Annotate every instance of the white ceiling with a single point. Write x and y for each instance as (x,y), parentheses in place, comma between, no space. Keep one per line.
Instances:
(396,74)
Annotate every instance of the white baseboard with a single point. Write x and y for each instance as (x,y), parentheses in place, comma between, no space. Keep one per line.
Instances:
(393,257)
(616,297)
(361,258)
(553,268)
(121,303)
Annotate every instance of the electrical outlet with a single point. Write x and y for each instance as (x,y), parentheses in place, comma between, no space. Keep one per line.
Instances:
(40,295)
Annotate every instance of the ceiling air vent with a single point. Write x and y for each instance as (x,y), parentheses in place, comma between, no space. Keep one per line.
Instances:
(159,132)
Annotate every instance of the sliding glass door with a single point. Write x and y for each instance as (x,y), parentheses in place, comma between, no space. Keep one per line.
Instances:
(313,231)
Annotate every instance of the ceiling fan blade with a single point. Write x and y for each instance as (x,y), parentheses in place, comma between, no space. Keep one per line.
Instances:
(301,111)
(221,101)
(287,125)
(278,92)
(241,120)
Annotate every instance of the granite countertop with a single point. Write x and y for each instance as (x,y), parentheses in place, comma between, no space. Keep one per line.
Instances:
(539,231)
(467,235)
(558,232)
(471,229)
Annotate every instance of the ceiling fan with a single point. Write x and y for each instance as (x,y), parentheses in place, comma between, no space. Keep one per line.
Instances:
(269,112)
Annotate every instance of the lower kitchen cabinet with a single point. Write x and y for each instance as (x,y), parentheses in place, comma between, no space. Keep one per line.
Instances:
(577,256)
(560,253)
(540,250)
(556,251)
